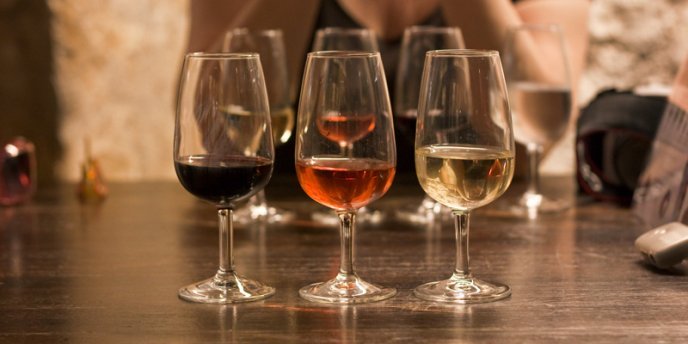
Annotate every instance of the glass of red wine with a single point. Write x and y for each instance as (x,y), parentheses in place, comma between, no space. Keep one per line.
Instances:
(223,154)
(269,44)
(418,40)
(344,99)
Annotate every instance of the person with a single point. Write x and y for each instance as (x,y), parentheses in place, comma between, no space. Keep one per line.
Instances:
(483,23)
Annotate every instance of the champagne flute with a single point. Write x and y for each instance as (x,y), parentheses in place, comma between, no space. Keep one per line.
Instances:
(540,96)
(346,39)
(464,154)
(351,87)
(269,44)
(418,40)
(223,153)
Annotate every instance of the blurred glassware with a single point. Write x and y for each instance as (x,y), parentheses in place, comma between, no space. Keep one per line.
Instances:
(337,38)
(92,187)
(540,98)
(417,41)
(269,44)
(17,171)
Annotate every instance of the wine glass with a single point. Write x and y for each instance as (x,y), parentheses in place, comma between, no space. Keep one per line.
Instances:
(344,96)
(464,154)
(418,40)
(269,44)
(346,39)
(536,69)
(349,39)
(223,153)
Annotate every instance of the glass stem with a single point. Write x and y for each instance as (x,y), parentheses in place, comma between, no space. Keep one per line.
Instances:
(224,216)
(533,152)
(346,149)
(259,200)
(346,236)
(461,222)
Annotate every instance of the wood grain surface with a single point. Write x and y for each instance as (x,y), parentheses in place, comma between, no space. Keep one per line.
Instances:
(109,273)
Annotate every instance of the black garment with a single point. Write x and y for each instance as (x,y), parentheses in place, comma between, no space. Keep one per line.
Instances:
(331,14)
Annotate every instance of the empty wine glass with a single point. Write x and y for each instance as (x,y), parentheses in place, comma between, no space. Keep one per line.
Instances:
(337,38)
(464,154)
(537,74)
(223,153)
(269,44)
(418,40)
(344,96)
(346,39)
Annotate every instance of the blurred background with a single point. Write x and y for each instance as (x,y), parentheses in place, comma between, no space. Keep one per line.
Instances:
(106,71)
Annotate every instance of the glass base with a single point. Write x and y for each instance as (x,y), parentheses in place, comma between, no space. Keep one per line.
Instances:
(427,212)
(226,287)
(251,213)
(345,289)
(462,290)
(532,205)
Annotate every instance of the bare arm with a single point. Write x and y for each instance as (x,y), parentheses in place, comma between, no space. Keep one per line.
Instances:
(210,19)
(484,23)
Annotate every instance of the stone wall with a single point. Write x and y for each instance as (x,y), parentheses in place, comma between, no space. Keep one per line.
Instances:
(632,43)
(635,43)
(116,69)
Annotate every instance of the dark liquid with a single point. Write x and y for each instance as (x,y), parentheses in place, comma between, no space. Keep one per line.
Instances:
(407,127)
(225,180)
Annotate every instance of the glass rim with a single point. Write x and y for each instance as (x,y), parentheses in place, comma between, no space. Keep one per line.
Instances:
(463,53)
(221,56)
(537,26)
(348,30)
(259,32)
(342,54)
(432,29)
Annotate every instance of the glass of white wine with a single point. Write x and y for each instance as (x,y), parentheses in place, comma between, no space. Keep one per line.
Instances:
(537,75)
(269,44)
(464,152)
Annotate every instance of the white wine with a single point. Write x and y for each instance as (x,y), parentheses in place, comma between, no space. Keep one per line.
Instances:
(464,177)
(282,124)
(540,112)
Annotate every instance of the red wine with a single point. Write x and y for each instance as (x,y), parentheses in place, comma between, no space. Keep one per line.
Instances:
(406,123)
(223,180)
(344,184)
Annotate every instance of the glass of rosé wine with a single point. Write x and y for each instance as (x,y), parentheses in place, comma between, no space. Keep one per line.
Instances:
(344,103)
(346,39)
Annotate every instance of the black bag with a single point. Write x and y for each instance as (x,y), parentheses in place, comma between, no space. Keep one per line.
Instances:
(614,136)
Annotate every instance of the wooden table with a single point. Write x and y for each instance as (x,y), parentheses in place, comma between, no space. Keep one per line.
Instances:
(109,273)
